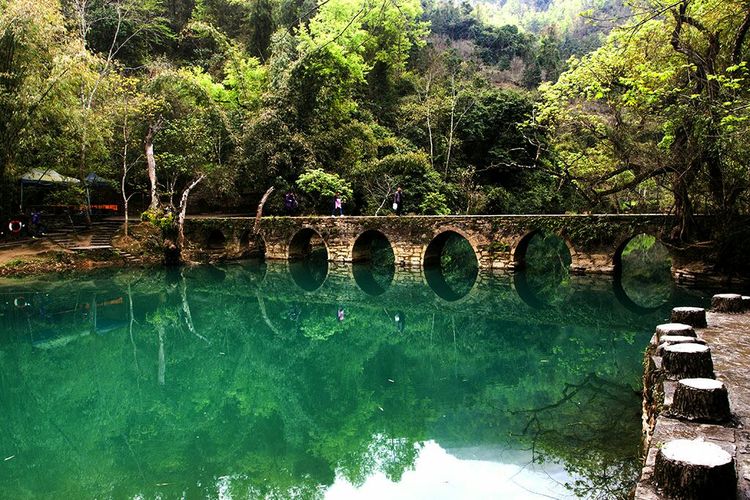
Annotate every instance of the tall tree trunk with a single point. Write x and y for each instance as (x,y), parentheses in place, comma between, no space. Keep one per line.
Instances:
(183,212)
(82,168)
(683,207)
(151,162)
(125,197)
(259,212)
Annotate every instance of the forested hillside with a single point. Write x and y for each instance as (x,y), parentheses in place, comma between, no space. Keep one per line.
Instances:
(492,107)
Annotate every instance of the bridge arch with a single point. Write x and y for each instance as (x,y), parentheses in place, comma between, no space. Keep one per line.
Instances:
(373,262)
(252,246)
(456,282)
(303,242)
(362,246)
(643,278)
(620,248)
(307,256)
(435,246)
(521,246)
(215,240)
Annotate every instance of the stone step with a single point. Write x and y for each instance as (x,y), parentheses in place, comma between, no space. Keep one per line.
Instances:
(132,259)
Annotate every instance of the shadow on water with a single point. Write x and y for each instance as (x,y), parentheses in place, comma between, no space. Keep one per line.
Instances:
(373,264)
(544,275)
(450,266)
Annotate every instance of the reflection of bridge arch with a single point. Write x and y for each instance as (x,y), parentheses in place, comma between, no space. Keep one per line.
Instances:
(433,270)
(372,275)
(622,297)
(618,286)
(620,248)
(525,292)
(521,246)
(308,268)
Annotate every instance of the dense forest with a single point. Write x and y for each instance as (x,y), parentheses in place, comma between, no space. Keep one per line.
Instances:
(519,106)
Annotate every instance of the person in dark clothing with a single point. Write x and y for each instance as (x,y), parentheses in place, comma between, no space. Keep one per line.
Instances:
(398,201)
(290,203)
(36,223)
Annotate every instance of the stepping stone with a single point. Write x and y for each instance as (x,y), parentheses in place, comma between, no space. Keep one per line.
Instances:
(693,316)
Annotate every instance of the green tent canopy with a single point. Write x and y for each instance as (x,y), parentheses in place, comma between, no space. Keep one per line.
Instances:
(46,176)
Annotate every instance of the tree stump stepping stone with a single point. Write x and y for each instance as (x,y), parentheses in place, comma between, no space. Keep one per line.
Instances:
(727,302)
(701,399)
(693,316)
(674,329)
(688,361)
(668,340)
(746,302)
(688,469)
(680,339)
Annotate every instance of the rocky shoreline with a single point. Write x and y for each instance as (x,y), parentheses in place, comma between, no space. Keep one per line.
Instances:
(696,400)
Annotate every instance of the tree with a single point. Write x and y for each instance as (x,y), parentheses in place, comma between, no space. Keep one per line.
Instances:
(662,101)
(192,140)
(35,57)
(321,187)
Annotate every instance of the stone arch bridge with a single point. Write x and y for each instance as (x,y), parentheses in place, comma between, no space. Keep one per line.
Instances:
(499,241)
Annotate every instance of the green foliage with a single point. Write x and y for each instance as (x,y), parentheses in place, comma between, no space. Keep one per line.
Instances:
(70,195)
(631,124)
(161,219)
(434,204)
(321,187)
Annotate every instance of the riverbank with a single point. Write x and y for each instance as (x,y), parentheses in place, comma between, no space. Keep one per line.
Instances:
(728,337)
(45,255)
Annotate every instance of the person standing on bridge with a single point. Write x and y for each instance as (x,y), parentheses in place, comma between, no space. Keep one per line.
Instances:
(337,205)
(398,201)
(290,203)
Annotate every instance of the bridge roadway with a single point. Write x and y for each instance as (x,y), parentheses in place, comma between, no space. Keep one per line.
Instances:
(595,242)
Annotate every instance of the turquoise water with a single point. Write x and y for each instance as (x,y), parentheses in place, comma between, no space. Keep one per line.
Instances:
(316,381)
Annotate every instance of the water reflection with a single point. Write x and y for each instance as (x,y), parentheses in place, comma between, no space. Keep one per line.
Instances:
(543,277)
(450,266)
(308,259)
(643,273)
(373,262)
(209,380)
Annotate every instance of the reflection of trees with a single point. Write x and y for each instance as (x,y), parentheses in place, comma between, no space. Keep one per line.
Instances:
(276,411)
(458,265)
(585,430)
(645,271)
(547,268)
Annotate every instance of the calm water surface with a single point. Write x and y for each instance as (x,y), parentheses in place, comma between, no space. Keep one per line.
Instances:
(257,380)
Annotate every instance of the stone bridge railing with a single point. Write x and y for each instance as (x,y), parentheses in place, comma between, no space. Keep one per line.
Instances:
(499,241)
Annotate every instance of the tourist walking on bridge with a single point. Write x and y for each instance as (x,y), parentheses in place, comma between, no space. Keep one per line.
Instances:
(398,201)
(290,203)
(337,205)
